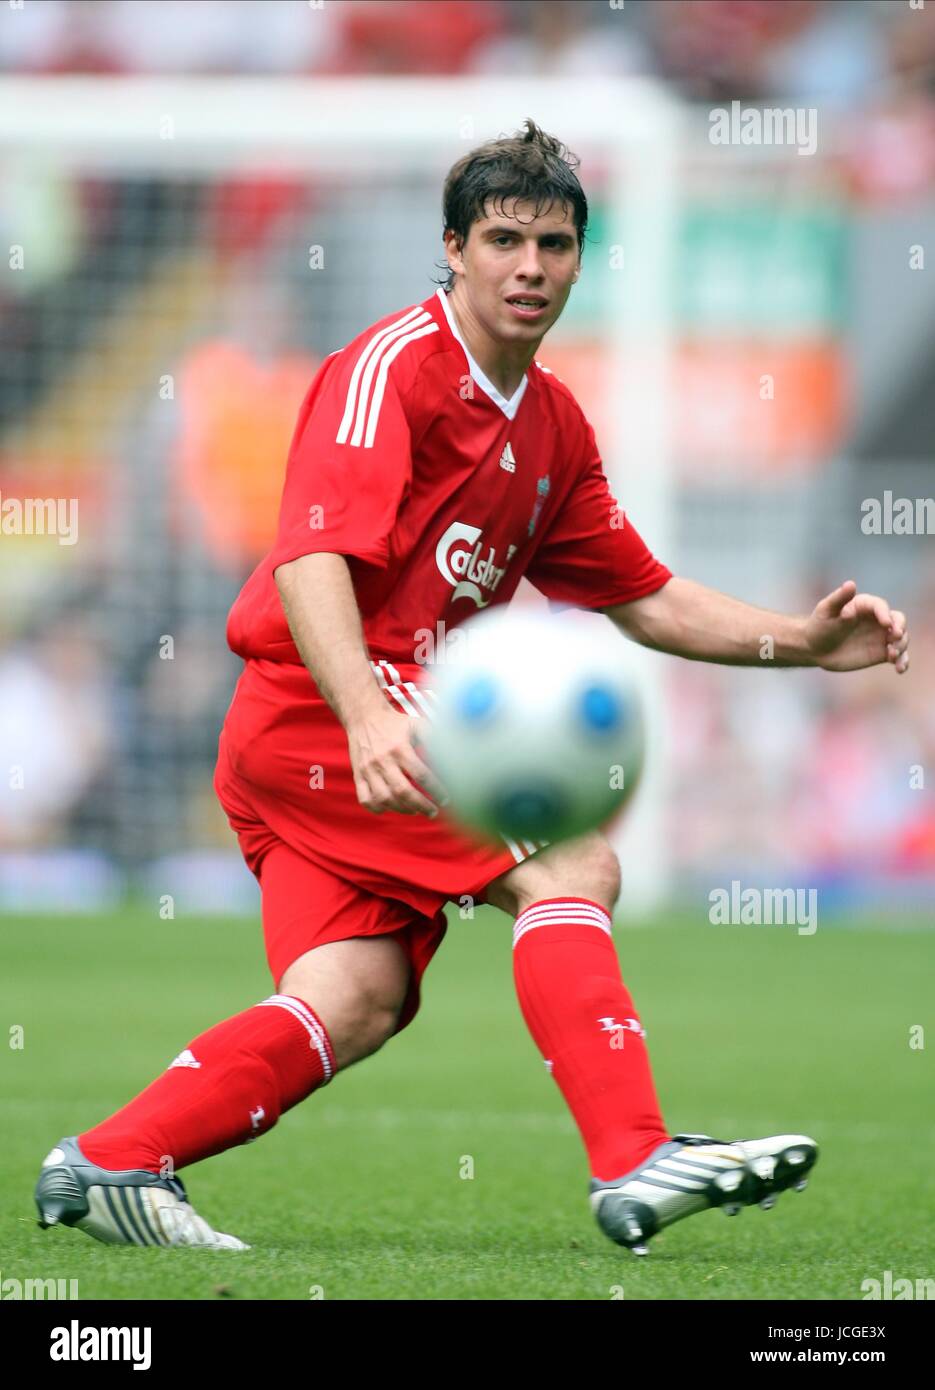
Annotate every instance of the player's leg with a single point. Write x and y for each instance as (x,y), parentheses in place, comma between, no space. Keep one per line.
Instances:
(118,1181)
(584,1022)
(355,988)
(574,1001)
(586,862)
(232,1082)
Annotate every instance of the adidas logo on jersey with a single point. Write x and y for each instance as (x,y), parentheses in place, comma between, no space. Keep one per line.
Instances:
(184,1059)
(507,461)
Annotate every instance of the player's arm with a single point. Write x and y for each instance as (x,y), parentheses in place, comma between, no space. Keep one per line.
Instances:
(348,471)
(321,609)
(846,631)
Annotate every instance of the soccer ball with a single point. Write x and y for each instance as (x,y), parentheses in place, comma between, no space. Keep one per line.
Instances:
(537,727)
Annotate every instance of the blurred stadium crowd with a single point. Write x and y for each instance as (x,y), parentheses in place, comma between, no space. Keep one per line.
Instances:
(848,54)
(114,675)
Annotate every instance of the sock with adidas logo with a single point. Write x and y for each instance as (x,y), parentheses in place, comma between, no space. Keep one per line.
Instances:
(583,1021)
(230,1085)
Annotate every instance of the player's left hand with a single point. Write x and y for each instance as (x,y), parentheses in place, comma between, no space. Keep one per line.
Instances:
(848,631)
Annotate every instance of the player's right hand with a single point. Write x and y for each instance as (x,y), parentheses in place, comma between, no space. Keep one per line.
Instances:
(386,766)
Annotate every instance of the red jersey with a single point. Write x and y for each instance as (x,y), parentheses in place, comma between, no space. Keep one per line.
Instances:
(441,493)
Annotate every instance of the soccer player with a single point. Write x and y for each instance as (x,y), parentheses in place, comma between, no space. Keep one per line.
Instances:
(434,463)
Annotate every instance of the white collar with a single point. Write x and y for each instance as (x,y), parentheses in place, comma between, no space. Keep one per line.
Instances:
(509,407)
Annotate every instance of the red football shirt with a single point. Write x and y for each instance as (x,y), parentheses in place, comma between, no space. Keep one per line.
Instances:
(441,494)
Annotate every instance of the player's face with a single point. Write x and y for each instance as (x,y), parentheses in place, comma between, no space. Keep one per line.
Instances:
(509,256)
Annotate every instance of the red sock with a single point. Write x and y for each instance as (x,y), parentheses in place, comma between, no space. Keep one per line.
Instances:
(582,1018)
(228,1086)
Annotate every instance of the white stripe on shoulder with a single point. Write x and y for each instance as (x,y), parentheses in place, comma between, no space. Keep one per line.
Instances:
(416,315)
(385,361)
(398,334)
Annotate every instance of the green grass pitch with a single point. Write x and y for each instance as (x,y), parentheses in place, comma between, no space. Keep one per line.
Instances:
(358,1192)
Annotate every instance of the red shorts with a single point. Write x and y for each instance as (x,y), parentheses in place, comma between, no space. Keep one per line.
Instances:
(328,869)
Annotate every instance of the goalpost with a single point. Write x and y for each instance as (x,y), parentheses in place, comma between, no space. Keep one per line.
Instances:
(365,159)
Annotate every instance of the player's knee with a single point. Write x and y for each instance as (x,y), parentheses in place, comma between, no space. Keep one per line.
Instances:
(358,1023)
(607,875)
(376,1028)
(364,1022)
(597,878)
(357,989)
(586,868)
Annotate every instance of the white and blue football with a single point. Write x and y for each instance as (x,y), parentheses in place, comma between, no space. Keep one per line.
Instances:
(537,730)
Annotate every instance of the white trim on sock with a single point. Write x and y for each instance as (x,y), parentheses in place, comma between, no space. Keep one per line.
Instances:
(305,1016)
(560,914)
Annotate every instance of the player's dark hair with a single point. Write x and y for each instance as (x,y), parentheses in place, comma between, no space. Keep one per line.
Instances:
(529,165)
